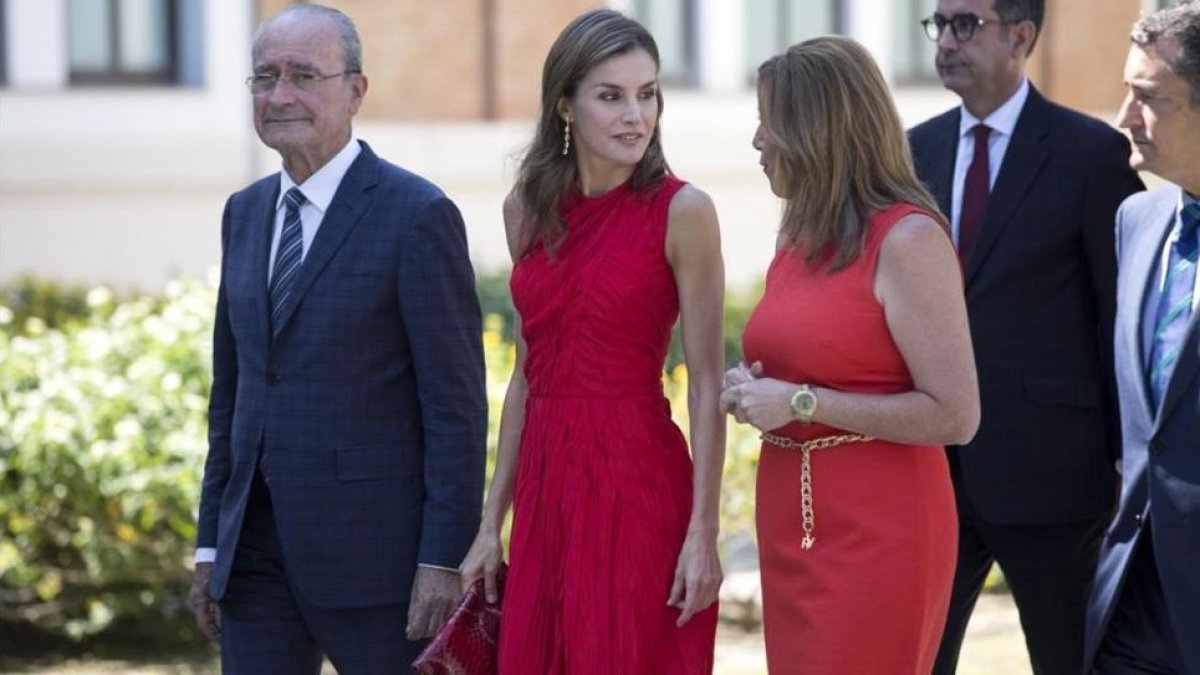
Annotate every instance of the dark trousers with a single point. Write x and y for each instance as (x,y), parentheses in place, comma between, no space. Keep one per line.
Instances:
(1049,569)
(1139,637)
(268,627)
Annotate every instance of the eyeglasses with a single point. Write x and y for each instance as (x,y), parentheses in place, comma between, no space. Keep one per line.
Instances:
(261,85)
(962,26)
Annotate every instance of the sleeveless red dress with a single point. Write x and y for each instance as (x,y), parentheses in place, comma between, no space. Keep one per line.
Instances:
(871,595)
(604,479)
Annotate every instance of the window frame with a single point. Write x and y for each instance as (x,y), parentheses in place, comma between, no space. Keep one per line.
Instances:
(115,75)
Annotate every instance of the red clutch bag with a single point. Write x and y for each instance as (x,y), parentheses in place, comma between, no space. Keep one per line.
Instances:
(467,643)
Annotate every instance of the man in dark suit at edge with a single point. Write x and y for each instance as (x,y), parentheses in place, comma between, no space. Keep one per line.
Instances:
(347,422)
(1031,189)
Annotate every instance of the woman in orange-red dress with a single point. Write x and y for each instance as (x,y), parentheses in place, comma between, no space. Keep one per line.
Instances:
(860,371)
(614,566)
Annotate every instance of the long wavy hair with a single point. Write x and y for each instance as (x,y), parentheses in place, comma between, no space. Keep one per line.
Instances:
(842,150)
(545,174)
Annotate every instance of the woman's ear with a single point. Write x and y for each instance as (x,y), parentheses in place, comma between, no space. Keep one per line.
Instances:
(564,110)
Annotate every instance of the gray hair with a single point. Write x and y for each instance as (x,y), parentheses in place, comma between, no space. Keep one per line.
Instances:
(351,43)
(1182,24)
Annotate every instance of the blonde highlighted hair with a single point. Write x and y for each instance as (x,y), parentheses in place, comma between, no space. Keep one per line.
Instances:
(842,151)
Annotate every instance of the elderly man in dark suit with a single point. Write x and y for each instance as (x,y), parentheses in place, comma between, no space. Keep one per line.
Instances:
(1144,612)
(348,418)
(1030,189)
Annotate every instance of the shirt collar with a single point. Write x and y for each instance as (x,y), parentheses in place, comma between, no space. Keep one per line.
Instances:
(322,185)
(1002,119)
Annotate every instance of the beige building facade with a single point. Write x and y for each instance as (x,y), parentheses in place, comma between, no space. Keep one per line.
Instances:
(124,124)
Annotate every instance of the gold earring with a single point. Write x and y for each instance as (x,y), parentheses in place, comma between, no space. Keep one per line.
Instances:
(566,136)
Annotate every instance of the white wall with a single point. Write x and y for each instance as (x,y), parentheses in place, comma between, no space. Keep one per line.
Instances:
(36,35)
(120,184)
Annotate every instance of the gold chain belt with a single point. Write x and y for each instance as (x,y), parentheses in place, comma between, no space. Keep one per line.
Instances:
(806,490)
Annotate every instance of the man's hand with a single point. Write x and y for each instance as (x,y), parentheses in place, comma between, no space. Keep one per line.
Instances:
(435,593)
(208,615)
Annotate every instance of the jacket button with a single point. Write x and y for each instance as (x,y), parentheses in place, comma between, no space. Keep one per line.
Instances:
(273,378)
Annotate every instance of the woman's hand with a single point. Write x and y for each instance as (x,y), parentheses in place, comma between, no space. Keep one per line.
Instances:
(483,561)
(697,576)
(741,374)
(764,403)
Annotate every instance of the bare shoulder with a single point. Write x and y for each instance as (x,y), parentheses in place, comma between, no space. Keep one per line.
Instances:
(915,237)
(915,254)
(692,228)
(691,203)
(691,214)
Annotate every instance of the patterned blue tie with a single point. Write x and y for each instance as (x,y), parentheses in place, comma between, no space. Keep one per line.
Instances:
(1175,305)
(288,257)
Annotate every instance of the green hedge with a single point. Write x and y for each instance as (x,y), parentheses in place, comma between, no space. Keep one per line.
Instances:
(102,442)
(102,428)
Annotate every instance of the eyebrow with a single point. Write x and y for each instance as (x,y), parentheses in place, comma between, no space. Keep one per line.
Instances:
(612,85)
(289,65)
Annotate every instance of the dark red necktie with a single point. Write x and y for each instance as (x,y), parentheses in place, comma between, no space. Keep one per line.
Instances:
(975,196)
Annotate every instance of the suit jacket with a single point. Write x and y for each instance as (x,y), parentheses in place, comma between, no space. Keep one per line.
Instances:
(1040,299)
(1160,472)
(367,413)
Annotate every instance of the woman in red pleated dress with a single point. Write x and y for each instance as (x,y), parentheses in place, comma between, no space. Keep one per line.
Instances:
(860,371)
(614,566)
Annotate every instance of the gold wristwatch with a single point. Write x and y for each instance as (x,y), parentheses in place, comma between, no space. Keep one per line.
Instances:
(804,404)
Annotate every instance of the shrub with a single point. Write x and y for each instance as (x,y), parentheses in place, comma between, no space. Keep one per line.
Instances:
(102,436)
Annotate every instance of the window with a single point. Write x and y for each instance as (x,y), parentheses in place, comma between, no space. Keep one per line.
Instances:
(3,44)
(914,53)
(122,41)
(673,25)
(774,25)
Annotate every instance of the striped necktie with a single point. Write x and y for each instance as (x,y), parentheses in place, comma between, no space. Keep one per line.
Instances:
(288,257)
(1175,305)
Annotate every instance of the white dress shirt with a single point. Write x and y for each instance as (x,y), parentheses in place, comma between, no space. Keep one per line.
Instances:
(318,192)
(1002,121)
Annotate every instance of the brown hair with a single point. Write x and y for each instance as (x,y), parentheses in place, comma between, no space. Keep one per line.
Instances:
(545,173)
(843,153)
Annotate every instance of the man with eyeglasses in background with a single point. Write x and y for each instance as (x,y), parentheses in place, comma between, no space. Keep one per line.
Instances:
(347,420)
(1030,189)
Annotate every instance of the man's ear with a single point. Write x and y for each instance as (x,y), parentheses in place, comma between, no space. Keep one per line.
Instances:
(1025,35)
(360,92)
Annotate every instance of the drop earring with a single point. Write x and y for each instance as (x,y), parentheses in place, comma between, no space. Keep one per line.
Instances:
(566,149)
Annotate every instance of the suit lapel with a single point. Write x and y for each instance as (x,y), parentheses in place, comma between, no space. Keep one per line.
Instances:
(262,217)
(1185,369)
(1024,159)
(1135,278)
(942,175)
(349,203)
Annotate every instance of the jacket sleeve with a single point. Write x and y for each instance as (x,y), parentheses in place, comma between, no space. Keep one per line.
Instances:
(1111,180)
(220,408)
(441,315)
